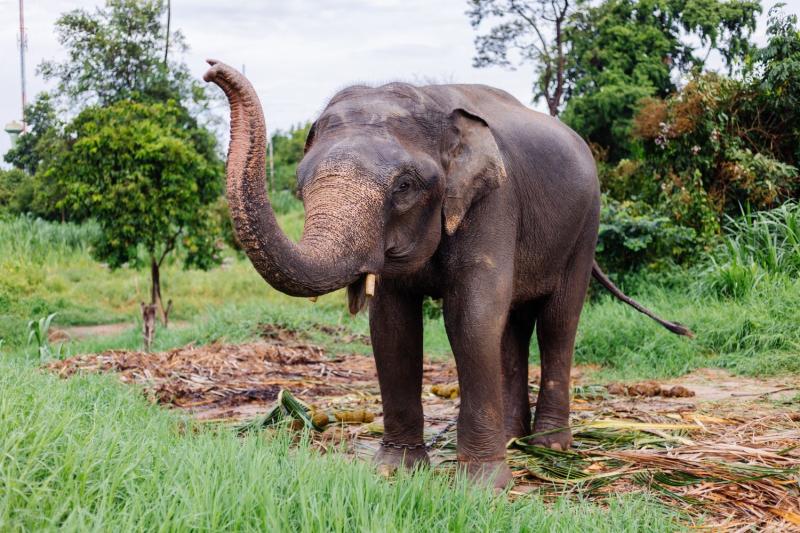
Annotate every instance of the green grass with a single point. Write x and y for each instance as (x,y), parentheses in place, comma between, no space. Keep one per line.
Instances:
(755,335)
(90,454)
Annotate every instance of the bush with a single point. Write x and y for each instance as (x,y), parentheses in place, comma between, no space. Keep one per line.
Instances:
(632,236)
(16,191)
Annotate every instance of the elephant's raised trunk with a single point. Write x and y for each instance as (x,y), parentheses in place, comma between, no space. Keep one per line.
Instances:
(313,266)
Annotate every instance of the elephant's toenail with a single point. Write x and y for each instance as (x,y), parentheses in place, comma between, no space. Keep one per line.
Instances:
(386,470)
(556,446)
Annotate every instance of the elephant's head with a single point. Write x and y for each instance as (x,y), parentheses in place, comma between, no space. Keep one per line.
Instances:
(386,171)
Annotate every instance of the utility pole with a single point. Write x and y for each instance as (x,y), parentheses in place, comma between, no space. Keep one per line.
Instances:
(23,44)
(169,21)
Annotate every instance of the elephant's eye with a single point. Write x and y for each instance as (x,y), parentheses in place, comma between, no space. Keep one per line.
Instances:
(403,186)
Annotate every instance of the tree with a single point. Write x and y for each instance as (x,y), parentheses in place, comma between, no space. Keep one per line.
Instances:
(526,32)
(36,144)
(288,148)
(595,60)
(118,53)
(137,170)
(626,50)
(775,70)
(41,144)
(15,190)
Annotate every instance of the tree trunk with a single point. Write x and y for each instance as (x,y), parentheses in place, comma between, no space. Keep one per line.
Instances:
(155,292)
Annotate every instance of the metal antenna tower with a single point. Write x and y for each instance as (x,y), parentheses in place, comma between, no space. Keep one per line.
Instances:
(23,45)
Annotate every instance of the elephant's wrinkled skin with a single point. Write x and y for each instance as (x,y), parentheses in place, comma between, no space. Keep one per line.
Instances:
(454,191)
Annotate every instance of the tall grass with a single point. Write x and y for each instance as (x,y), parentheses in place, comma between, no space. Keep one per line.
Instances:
(34,240)
(755,246)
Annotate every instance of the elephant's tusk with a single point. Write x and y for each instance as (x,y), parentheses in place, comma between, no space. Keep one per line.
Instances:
(369,285)
(313,299)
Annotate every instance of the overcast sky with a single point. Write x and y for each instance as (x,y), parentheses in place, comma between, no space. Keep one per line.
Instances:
(297,53)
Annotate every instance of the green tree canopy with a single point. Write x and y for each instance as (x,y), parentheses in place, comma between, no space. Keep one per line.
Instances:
(288,147)
(117,53)
(44,129)
(120,52)
(596,59)
(136,169)
(625,50)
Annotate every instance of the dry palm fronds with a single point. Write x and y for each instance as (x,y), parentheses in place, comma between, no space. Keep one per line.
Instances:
(711,477)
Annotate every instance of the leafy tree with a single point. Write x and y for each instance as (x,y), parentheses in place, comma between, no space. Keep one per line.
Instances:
(16,190)
(288,147)
(625,50)
(597,59)
(526,32)
(34,151)
(706,152)
(775,72)
(118,53)
(36,145)
(137,170)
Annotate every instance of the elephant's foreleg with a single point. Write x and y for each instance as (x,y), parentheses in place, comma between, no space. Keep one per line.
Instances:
(395,320)
(475,311)
(556,327)
(515,348)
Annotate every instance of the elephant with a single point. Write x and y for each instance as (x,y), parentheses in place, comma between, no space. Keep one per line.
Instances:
(457,192)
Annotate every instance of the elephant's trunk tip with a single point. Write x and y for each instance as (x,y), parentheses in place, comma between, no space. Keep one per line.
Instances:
(211,74)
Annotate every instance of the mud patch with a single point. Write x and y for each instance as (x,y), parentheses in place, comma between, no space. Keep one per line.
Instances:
(723,448)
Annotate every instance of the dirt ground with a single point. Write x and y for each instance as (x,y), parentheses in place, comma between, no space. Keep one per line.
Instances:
(724,448)
(74,333)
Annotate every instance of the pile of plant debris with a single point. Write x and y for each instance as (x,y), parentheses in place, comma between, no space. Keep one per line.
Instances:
(725,449)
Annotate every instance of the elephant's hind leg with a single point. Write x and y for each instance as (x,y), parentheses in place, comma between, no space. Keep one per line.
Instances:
(515,350)
(395,320)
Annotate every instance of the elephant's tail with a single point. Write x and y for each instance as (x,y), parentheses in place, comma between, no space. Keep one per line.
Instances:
(601,277)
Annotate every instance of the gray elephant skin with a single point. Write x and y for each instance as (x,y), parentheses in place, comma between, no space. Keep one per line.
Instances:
(456,192)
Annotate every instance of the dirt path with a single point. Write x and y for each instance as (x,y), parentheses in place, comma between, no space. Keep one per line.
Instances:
(724,448)
(74,333)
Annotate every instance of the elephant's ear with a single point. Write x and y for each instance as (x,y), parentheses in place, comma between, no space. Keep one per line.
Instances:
(312,132)
(473,164)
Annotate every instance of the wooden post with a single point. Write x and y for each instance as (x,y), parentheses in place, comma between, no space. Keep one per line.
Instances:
(148,324)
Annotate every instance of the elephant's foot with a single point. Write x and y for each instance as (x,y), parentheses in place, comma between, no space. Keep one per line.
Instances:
(389,459)
(517,427)
(495,474)
(552,433)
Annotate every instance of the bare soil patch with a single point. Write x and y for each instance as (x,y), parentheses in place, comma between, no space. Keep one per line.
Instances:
(724,448)
(73,333)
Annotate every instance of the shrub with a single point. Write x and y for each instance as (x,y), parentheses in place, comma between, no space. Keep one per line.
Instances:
(633,235)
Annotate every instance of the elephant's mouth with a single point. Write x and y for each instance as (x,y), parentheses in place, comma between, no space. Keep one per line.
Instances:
(396,254)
